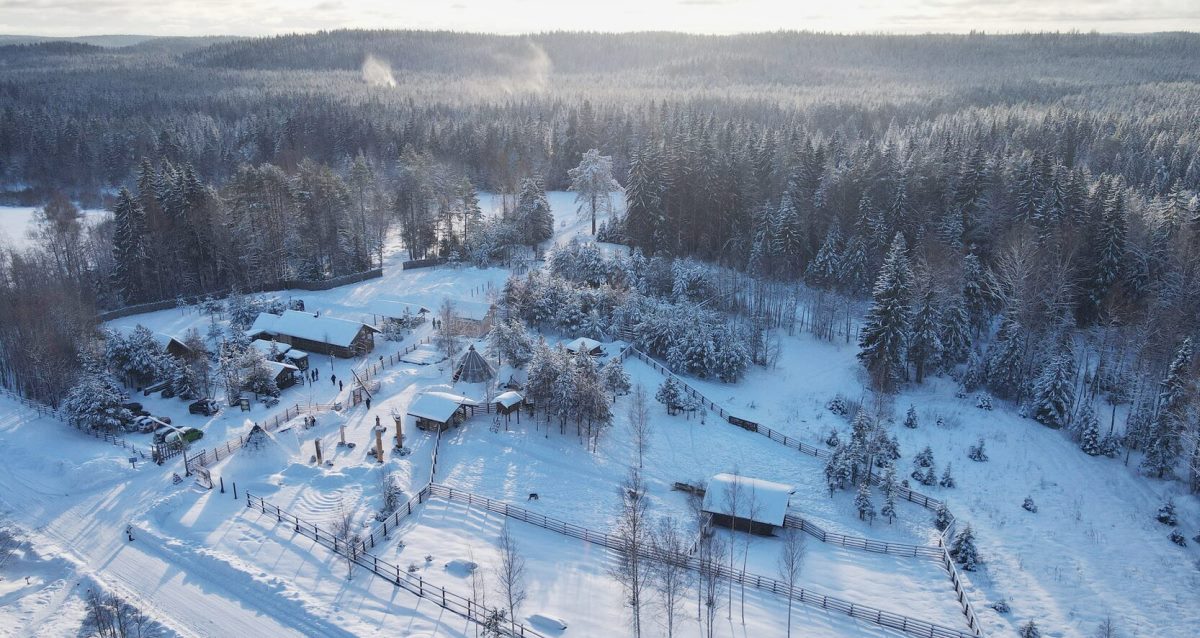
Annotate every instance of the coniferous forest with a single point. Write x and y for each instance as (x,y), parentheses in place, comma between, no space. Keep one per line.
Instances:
(995,204)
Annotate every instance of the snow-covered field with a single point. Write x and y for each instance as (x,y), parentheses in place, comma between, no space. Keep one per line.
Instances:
(205,565)
(17,221)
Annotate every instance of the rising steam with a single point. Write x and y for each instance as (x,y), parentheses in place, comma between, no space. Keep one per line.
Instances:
(376,72)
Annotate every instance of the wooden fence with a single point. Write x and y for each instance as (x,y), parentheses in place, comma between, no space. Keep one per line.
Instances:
(370,368)
(45,410)
(210,456)
(864,544)
(286,284)
(356,553)
(906,493)
(911,626)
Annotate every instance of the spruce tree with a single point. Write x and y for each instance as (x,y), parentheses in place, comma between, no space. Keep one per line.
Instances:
(947,479)
(130,255)
(1054,391)
(954,332)
(889,494)
(824,268)
(910,418)
(1164,447)
(884,338)
(1029,630)
(862,502)
(963,549)
(941,517)
(1089,433)
(643,199)
(925,344)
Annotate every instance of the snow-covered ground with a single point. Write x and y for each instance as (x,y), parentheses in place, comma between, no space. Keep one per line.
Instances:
(17,221)
(204,565)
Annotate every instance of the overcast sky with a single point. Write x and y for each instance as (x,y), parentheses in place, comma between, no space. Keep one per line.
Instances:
(250,17)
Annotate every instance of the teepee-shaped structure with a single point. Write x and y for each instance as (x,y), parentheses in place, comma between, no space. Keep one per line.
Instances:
(473,368)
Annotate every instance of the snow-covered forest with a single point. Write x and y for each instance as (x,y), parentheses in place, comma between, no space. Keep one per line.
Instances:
(1003,223)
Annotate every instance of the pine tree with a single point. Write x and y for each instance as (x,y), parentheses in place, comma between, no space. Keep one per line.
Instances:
(1089,433)
(1054,391)
(643,199)
(889,494)
(1164,448)
(823,270)
(925,344)
(955,332)
(947,479)
(963,549)
(669,394)
(1029,630)
(941,517)
(978,291)
(534,218)
(130,256)
(1005,357)
(910,419)
(862,502)
(884,336)
(616,380)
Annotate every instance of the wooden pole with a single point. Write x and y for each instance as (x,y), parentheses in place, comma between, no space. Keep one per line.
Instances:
(317,444)
(379,444)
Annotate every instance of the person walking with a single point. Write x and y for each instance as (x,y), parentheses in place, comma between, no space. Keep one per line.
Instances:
(333,379)
(340,386)
(369,407)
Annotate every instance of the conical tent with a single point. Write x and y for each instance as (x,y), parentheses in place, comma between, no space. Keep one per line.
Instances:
(473,368)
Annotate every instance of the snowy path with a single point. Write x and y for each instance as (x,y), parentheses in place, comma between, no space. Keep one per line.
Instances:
(190,593)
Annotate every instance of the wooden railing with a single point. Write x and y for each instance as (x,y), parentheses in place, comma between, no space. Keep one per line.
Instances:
(911,626)
(860,543)
(59,415)
(357,554)
(209,456)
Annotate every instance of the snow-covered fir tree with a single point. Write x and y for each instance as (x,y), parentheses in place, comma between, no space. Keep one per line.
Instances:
(1089,432)
(96,402)
(963,549)
(1054,390)
(947,479)
(1164,448)
(925,343)
(941,517)
(616,380)
(910,417)
(862,502)
(954,332)
(670,395)
(1029,630)
(889,494)
(883,340)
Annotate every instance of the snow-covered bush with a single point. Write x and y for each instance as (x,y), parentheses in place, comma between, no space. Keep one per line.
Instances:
(1029,505)
(832,440)
(670,395)
(1178,538)
(941,518)
(947,479)
(1166,514)
(977,453)
(1001,607)
(837,405)
(983,402)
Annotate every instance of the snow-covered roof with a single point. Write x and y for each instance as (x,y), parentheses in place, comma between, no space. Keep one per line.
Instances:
(582,344)
(757,500)
(278,368)
(437,406)
(508,399)
(395,309)
(303,325)
(264,346)
(294,354)
(474,368)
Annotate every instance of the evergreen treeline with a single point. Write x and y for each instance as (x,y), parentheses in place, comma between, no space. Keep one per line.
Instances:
(1002,199)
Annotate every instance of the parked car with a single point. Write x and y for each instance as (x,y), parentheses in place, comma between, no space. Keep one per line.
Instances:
(187,435)
(160,435)
(207,407)
(134,407)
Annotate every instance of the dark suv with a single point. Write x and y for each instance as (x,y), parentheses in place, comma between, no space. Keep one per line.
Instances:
(207,407)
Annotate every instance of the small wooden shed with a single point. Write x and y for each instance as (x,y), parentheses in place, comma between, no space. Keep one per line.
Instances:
(440,410)
(746,504)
